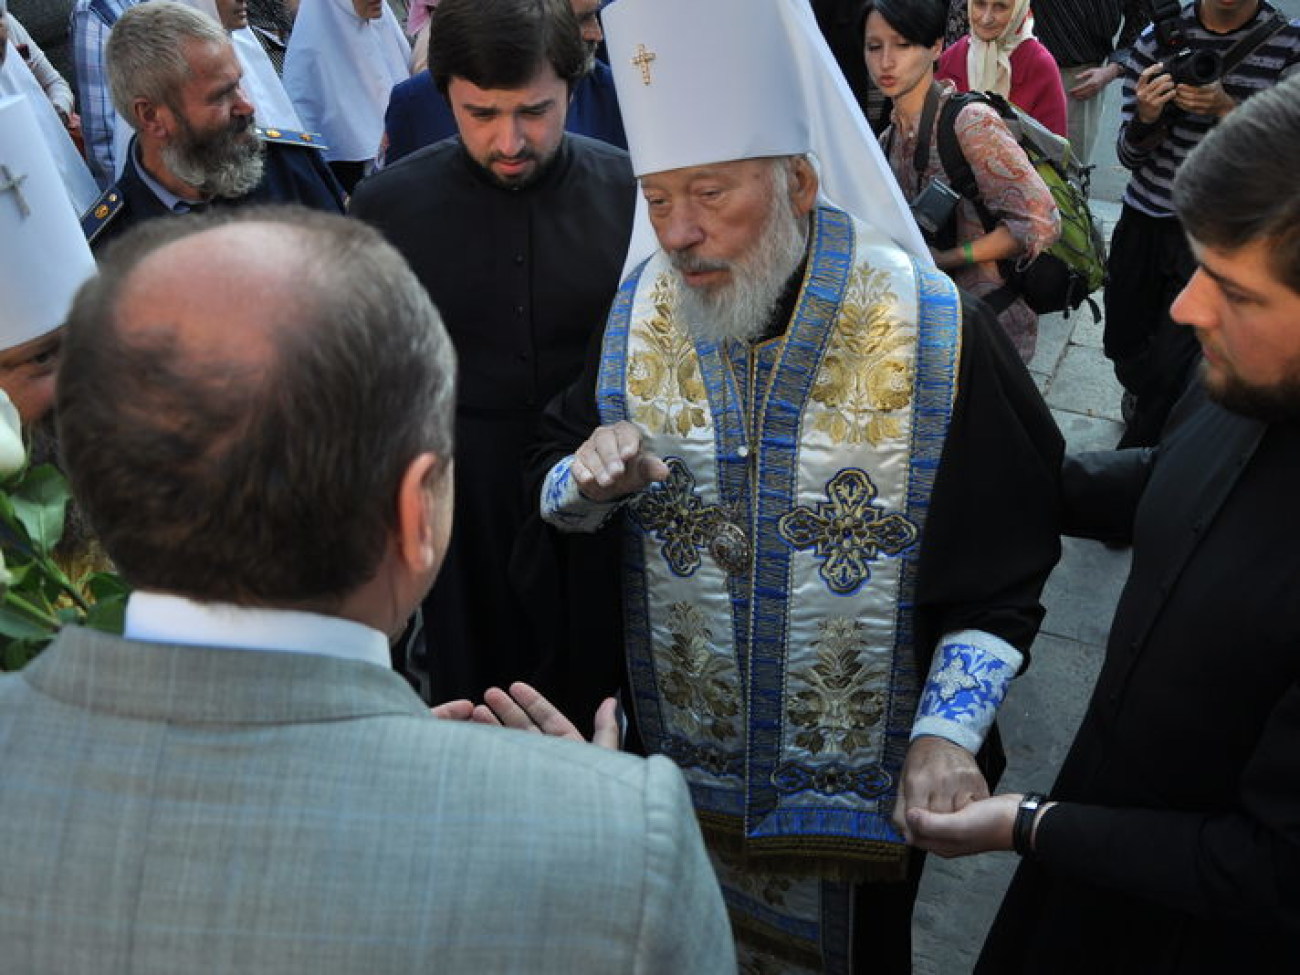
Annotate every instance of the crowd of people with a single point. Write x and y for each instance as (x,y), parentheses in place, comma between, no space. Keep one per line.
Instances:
(606,372)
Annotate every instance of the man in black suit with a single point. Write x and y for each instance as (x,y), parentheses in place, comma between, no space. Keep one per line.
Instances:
(175,78)
(1171,841)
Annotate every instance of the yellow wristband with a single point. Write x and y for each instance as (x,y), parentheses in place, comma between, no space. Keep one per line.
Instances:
(968,252)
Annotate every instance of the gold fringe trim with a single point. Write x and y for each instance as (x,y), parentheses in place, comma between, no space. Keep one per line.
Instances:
(823,857)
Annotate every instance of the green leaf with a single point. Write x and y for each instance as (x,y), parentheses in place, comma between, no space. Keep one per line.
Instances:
(107,615)
(39,503)
(17,626)
(16,654)
(105,586)
(17,574)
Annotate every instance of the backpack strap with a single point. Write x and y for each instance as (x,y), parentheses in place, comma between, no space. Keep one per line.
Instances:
(921,155)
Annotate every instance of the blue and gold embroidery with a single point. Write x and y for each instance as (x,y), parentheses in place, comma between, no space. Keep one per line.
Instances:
(716,761)
(867,373)
(699,681)
(664,376)
(834,779)
(848,532)
(678,518)
(844,698)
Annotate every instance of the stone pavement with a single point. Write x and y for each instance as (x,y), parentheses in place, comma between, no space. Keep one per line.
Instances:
(959,898)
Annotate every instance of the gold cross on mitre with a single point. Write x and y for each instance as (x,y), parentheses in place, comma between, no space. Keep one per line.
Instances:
(642,61)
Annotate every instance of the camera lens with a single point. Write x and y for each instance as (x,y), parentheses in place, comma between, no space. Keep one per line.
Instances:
(1196,67)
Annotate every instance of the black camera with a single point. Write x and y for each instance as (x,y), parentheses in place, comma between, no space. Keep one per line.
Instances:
(933,207)
(1188,67)
(1185,65)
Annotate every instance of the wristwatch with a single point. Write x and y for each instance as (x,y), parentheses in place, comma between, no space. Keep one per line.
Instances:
(1022,828)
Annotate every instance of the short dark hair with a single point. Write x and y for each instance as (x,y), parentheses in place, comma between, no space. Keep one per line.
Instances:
(504,43)
(920,21)
(1239,186)
(273,485)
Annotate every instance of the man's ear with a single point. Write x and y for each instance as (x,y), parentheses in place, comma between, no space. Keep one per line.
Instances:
(803,186)
(417,511)
(151,119)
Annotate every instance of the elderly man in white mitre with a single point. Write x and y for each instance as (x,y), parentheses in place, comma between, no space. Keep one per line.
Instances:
(836,483)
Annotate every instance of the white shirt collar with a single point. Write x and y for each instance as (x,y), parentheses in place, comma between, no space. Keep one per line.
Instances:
(159,618)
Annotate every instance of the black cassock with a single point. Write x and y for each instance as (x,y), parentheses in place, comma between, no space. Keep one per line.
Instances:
(1176,847)
(524,279)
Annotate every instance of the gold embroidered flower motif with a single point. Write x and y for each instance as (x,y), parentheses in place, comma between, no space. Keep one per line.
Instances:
(868,369)
(848,531)
(768,887)
(702,684)
(844,698)
(664,376)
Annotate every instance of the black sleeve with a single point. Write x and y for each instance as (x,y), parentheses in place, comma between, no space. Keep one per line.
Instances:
(1101,490)
(993,532)
(1242,865)
(568,419)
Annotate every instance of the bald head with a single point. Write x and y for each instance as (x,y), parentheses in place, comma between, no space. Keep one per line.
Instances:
(221,297)
(239,399)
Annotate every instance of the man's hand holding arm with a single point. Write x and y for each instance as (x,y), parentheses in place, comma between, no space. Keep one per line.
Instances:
(979,827)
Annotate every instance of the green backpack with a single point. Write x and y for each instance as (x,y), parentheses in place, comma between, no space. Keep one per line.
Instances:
(1067,273)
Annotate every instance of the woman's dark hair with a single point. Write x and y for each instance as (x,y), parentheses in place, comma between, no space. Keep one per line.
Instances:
(920,21)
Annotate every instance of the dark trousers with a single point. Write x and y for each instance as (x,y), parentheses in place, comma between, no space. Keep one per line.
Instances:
(1150,263)
(882,923)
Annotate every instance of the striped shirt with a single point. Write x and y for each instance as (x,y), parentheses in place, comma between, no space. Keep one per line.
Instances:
(1083,31)
(1154,165)
(89,24)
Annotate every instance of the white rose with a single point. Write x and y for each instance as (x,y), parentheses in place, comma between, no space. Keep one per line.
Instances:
(12,453)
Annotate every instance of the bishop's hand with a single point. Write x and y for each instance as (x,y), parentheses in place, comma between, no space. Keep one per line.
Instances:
(612,463)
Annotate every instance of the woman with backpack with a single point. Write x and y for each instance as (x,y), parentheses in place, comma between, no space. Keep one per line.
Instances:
(1001,54)
(1010,217)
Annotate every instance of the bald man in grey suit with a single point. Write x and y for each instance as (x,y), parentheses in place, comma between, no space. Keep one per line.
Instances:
(256,415)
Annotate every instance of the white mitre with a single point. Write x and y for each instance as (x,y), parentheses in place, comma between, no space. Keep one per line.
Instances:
(44,258)
(17,79)
(707,81)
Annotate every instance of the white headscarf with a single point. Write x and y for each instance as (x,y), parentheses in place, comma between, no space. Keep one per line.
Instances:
(988,63)
(340,70)
(775,89)
(17,79)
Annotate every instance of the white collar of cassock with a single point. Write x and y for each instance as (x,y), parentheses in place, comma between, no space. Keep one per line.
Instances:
(160,618)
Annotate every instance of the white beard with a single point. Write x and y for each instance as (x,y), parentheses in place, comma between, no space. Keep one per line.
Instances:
(220,165)
(741,310)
